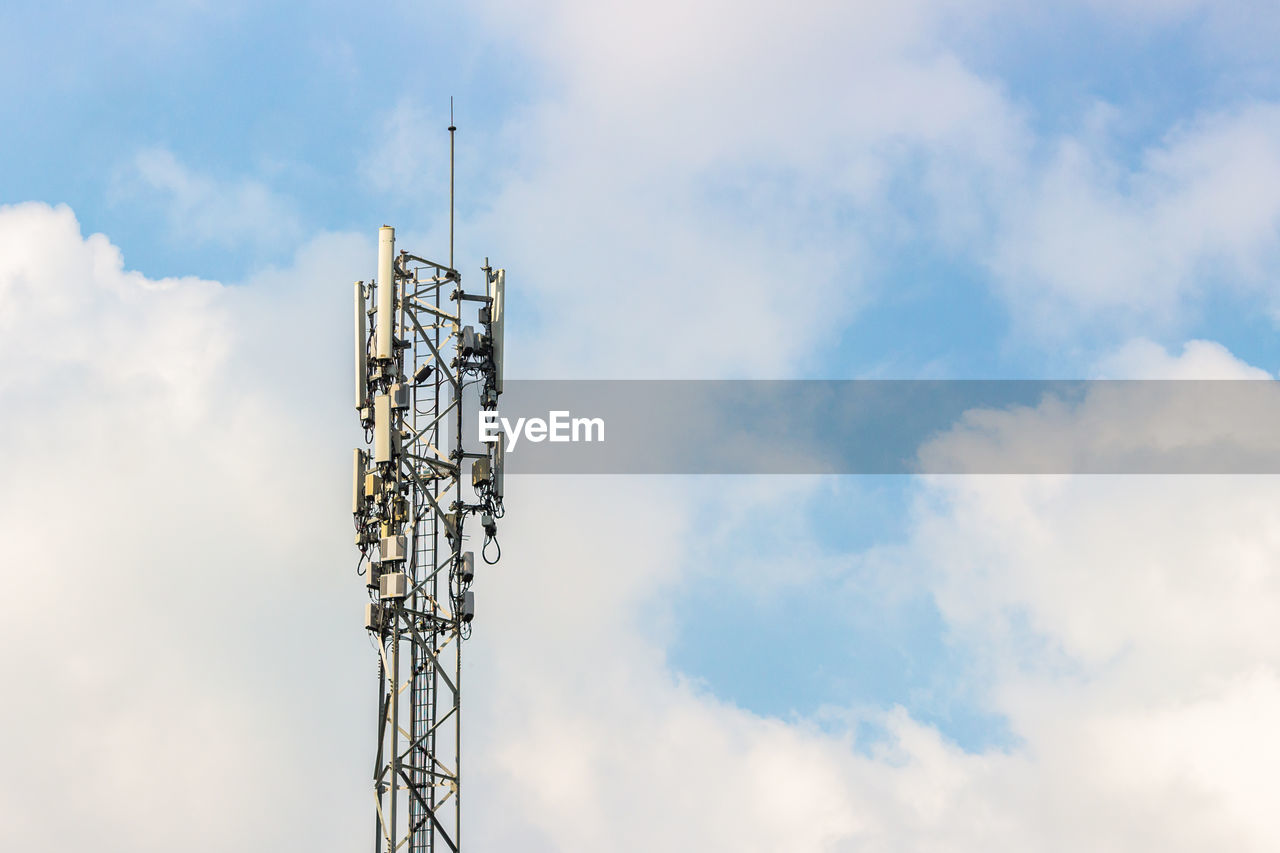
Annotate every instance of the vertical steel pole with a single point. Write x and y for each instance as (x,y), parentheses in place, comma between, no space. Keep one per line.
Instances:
(451,132)
(395,718)
(457,726)
(378,828)
(457,547)
(457,615)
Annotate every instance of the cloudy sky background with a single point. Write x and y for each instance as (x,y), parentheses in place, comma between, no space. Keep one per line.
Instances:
(913,189)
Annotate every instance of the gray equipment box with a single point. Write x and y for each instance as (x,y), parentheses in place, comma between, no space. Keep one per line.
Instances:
(393,585)
(373,617)
(480,472)
(399,396)
(392,549)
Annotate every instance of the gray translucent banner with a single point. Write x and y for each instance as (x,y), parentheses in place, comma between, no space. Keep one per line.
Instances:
(890,427)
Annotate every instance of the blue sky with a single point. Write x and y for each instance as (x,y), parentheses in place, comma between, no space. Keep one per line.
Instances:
(924,189)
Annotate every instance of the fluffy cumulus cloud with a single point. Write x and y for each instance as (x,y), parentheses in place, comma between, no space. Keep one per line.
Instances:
(409,155)
(1162,427)
(197,209)
(1128,623)
(158,498)
(719,177)
(1143,359)
(1092,240)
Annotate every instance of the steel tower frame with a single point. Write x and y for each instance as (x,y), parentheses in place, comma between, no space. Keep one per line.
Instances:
(418,370)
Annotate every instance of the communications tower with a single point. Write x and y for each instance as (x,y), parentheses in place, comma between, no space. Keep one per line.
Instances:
(421,367)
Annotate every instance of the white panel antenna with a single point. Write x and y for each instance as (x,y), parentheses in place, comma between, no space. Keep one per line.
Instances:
(497,470)
(362,349)
(497,287)
(382,446)
(357,482)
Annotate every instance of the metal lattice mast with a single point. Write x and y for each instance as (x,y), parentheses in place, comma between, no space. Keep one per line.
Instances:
(418,371)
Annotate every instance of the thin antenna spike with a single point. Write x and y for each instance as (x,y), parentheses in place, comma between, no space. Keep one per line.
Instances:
(452,129)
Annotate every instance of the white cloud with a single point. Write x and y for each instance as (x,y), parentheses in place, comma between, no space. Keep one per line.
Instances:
(721,169)
(1127,427)
(1128,626)
(719,178)
(1130,621)
(1093,240)
(156,509)
(409,156)
(200,210)
(1144,359)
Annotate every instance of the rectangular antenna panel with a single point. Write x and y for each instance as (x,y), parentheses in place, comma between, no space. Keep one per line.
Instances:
(497,469)
(382,447)
(357,481)
(497,286)
(362,349)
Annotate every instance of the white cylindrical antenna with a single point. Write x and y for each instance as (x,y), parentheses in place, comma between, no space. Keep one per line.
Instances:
(362,349)
(386,292)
